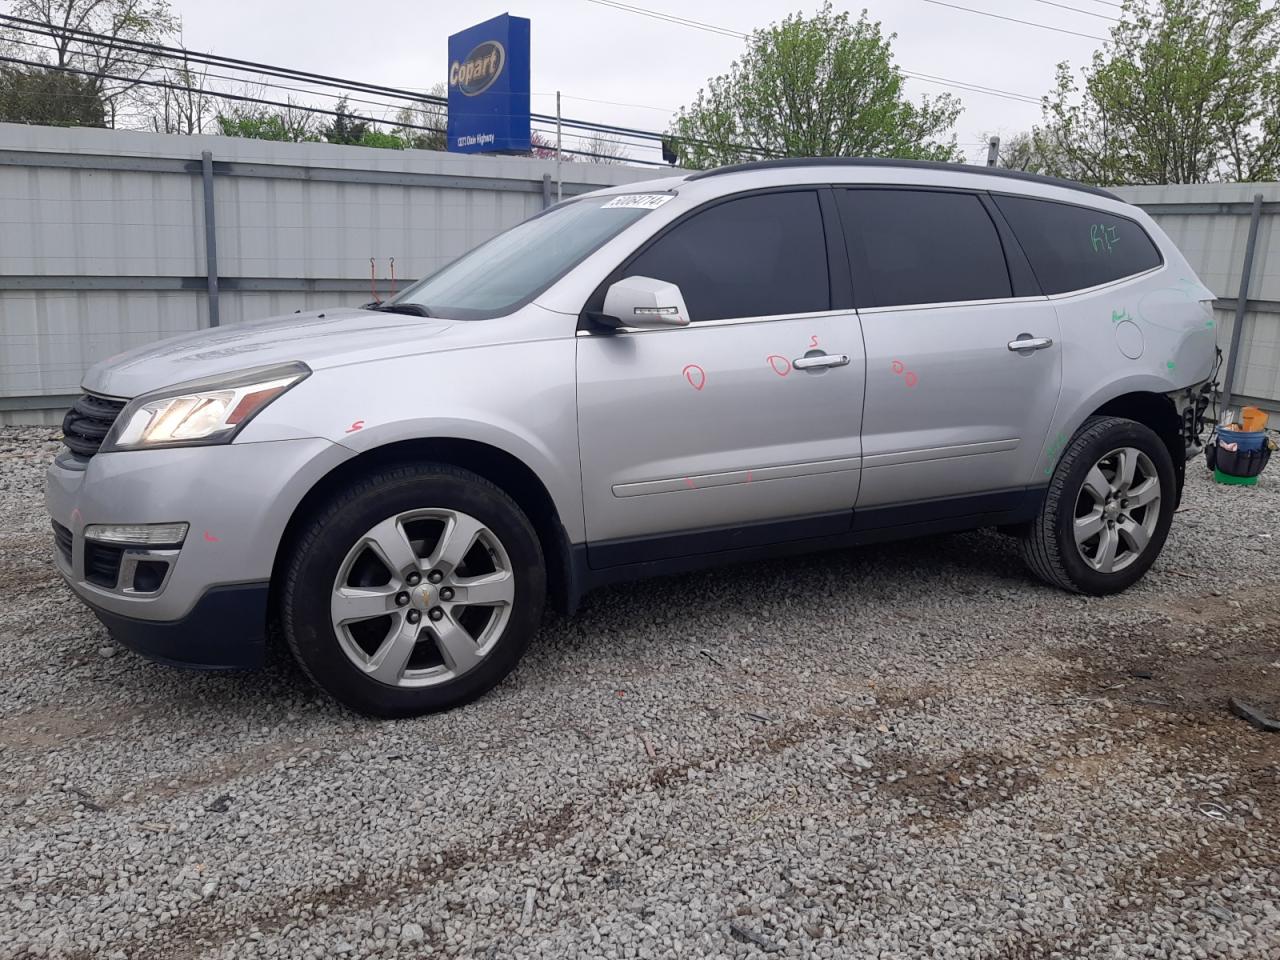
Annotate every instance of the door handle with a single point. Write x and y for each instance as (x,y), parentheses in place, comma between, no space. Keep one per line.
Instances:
(822,360)
(1028,342)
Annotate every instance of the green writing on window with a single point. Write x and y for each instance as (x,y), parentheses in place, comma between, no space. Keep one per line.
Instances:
(1103,238)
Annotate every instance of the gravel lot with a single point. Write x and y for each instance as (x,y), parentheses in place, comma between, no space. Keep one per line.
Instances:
(906,751)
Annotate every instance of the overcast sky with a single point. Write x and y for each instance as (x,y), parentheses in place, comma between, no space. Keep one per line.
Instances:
(592,52)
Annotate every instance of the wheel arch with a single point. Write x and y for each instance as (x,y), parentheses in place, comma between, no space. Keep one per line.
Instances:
(1157,412)
(499,467)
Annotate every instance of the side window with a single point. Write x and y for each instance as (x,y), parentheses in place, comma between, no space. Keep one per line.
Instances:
(755,256)
(1071,248)
(921,246)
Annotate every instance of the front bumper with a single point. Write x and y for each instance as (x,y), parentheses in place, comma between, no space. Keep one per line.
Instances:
(210,607)
(225,630)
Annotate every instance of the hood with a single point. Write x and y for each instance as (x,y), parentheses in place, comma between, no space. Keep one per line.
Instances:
(319,339)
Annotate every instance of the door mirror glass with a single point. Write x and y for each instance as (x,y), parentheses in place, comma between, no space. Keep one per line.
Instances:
(644,303)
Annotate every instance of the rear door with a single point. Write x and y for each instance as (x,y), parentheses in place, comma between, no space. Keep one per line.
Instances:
(708,437)
(952,410)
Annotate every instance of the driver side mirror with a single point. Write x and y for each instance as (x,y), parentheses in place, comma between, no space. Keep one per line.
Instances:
(644,303)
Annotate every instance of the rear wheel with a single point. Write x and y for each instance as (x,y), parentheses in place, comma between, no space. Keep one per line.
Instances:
(1107,511)
(415,590)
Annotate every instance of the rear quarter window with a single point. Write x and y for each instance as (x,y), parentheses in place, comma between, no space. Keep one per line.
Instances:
(1072,248)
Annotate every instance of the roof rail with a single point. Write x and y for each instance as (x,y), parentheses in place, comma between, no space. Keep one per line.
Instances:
(909,164)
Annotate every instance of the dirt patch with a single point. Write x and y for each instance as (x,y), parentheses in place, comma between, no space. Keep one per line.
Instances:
(958,788)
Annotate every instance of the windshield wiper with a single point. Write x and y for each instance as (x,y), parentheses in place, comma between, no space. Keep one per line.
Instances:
(413,309)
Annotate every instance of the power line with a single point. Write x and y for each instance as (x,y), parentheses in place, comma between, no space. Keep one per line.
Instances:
(1087,13)
(699,25)
(671,18)
(272,103)
(254,81)
(1029,23)
(973,87)
(163,51)
(612,103)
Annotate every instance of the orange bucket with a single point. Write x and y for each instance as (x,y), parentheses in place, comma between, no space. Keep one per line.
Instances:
(1252,420)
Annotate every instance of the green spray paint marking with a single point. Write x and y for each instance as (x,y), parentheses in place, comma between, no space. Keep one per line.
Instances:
(1055,448)
(1171,365)
(1103,238)
(1209,324)
(1118,315)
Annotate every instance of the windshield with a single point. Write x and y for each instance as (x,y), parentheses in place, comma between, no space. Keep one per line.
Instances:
(516,266)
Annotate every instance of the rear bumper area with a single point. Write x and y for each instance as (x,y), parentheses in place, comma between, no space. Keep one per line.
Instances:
(225,630)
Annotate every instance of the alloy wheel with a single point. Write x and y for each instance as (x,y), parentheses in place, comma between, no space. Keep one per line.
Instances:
(423,597)
(1117,510)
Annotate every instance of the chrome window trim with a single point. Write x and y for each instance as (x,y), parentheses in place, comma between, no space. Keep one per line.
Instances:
(950,304)
(1085,291)
(726,322)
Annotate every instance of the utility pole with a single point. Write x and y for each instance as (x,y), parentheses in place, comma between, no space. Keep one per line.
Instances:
(559,180)
(993,152)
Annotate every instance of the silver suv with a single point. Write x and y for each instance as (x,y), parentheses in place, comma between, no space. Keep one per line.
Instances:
(762,359)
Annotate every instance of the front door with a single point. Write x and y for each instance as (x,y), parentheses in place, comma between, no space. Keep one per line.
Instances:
(709,437)
(952,410)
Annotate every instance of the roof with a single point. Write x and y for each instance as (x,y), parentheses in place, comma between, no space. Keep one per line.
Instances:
(935,166)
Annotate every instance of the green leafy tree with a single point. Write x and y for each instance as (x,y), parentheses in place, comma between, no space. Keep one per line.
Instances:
(1187,91)
(376,138)
(347,127)
(288,126)
(1024,151)
(824,85)
(50,98)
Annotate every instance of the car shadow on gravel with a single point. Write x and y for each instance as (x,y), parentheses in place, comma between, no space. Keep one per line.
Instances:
(970,564)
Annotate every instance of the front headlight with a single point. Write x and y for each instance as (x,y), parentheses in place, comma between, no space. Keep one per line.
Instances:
(202,411)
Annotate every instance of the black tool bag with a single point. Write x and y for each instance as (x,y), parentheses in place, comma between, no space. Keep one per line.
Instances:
(1236,463)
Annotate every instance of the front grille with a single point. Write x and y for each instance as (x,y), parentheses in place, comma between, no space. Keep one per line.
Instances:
(86,424)
(62,537)
(102,564)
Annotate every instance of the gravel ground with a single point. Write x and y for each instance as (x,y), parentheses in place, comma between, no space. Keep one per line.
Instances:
(907,751)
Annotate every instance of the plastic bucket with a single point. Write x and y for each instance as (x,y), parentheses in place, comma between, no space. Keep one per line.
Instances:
(1243,439)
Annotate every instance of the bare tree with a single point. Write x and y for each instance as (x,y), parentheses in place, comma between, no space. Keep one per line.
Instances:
(430,114)
(188,110)
(107,57)
(605,149)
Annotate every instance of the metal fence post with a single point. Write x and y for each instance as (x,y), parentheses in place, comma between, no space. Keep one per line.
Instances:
(546,190)
(210,236)
(1246,274)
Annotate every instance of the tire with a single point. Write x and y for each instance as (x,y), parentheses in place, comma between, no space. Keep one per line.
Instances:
(415,590)
(1060,545)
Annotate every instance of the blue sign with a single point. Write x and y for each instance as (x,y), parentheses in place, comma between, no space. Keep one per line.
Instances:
(489,87)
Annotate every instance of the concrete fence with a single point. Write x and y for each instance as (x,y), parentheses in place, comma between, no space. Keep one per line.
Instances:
(112,239)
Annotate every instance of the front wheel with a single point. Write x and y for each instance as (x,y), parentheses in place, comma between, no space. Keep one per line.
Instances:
(1107,511)
(415,590)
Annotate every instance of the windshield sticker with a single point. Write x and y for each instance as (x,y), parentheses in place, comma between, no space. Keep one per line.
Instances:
(638,201)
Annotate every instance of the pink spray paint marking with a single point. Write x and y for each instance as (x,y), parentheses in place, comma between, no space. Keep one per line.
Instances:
(911,379)
(898,367)
(781,365)
(358,425)
(813,341)
(76,516)
(690,484)
(210,538)
(696,376)
(748,476)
